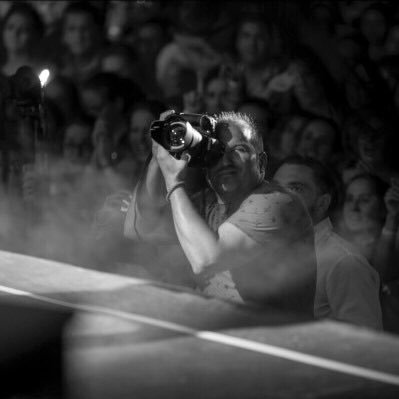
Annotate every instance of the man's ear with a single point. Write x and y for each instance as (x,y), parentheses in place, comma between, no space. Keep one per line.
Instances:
(262,164)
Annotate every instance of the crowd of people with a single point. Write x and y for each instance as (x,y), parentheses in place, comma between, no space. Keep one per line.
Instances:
(301,211)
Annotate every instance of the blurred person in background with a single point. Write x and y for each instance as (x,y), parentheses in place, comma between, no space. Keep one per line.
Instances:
(369,220)
(63,92)
(62,198)
(324,16)
(320,139)
(147,39)
(106,99)
(51,13)
(138,143)
(284,139)
(217,91)
(82,38)
(363,212)
(257,45)
(121,60)
(201,34)
(21,34)
(347,286)
(373,23)
(371,149)
(391,45)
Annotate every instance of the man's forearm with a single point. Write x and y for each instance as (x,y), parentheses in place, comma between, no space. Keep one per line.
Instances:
(199,242)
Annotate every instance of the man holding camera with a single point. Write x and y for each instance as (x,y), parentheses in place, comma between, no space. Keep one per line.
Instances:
(245,239)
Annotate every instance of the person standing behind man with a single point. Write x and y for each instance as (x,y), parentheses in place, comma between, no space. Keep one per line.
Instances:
(347,286)
(242,236)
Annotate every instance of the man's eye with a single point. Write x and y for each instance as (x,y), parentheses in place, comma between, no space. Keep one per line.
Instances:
(296,188)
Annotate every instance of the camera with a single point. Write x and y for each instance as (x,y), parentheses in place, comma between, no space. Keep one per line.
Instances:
(191,133)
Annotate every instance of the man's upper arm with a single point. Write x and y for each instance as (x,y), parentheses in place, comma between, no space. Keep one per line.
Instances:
(273,217)
(231,238)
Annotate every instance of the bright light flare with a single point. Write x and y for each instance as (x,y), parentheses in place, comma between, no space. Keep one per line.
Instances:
(43,76)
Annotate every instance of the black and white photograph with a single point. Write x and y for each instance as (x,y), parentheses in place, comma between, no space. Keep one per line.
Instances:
(199,199)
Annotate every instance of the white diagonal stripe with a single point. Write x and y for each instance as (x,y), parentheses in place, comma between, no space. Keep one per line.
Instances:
(223,339)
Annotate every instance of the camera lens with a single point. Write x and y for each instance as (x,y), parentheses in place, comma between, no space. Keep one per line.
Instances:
(176,136)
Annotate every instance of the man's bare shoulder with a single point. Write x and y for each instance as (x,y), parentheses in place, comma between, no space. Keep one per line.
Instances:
(270,210)
(270,197)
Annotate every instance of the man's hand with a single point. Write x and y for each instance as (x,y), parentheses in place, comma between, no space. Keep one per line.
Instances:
(173,170)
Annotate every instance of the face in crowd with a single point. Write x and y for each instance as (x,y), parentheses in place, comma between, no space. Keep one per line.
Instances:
(241,168)
(18,33)
(373,25)
(93,101)
(76,146)
(214,95)
(371,148)
(79,34)
(289,135)
(252,42)
(363,208)
(317,141)
(300,180)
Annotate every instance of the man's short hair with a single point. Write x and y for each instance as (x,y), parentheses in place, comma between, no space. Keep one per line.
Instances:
(246,123)
(325,178)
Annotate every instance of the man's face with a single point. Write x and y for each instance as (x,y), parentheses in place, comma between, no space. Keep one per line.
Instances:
(299,179)
(238,171)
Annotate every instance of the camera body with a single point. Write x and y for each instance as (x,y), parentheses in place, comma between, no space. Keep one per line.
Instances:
(191,133)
